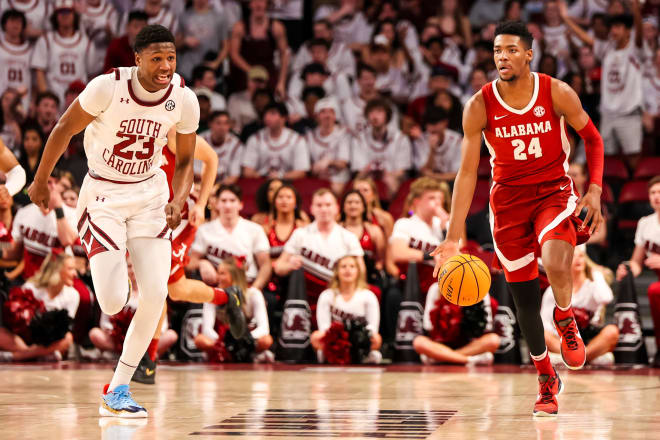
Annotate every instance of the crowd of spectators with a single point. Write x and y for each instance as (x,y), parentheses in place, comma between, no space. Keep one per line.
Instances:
(337,125)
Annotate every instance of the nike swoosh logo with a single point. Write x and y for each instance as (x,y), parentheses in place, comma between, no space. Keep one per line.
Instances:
(563,187)
(149,372)
(500,117)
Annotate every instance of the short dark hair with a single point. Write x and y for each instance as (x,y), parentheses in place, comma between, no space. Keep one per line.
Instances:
(655,180)
(10,14)
(624,19)
(362,67)
(232,188)
(319,42)
(47,95)
(314,68)
(137,15)
(517,28)
(433,115)
(217,114)
(379,103)
(279,107)
(325,22)
(317,91)
(151,34)
(199,71)
(76,18)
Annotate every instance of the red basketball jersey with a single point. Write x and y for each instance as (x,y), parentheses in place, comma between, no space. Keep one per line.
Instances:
(527,146)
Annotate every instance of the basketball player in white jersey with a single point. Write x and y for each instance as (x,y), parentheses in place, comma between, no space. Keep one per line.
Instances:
(329,146)
(64,54)
(380,149)
(226,145)
(621,102)
(276,151)
(123,202)
(36,13)
(15,53)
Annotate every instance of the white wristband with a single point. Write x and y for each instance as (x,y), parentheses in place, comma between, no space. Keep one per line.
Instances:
(15,180)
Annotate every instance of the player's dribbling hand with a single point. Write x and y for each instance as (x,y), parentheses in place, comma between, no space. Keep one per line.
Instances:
(39,194)
(591,201)
(445,250)
(173,215)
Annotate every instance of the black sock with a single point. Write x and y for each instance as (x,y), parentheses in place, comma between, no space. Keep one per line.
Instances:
(527,298)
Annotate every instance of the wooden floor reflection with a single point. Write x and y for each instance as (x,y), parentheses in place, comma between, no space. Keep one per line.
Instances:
(199,401)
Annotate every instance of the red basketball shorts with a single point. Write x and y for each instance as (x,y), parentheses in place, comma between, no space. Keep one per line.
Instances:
(180,246)
(524,217)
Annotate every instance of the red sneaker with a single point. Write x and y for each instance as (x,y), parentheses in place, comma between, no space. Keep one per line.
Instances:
(572,346)
(549,388)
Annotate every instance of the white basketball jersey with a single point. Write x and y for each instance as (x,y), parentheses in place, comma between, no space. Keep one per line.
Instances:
(230,155)
(15,68)
(63,59)
(126,139)
(363,306)
(286,153)
(37,12)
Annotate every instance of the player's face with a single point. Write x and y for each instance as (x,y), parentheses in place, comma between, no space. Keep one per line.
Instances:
(365,189)
(654,197)
(229,205)
(347,270)
(68,272)
(353,206)
(324,208)
(285,202)
(377,118)
(327,117)
(220,126)
(511,57)
(156,65)
(224,276)
(272,189)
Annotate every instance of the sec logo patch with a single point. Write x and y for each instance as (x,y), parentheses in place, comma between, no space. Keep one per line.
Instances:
(539,111)
(169,105)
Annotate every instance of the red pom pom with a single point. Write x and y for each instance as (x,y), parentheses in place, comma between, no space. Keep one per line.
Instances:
(336,346)
(18,311)
(219,353)
(582,317)
(446,319)
(120,323)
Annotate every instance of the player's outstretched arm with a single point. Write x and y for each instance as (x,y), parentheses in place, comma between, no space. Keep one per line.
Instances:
(474,121)
(566,103)
(72,122)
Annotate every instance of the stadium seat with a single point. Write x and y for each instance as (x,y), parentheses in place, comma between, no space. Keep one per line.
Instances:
(614,169)
(647,168)
(249,187)
(307,187)
(481,196)
(633,204)
(396,206)
(607,196)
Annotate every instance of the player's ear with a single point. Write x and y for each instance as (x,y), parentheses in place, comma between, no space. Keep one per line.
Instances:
(529,54)
(138,59)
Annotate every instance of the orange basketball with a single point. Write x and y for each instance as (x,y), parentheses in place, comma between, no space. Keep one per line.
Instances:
(464,280)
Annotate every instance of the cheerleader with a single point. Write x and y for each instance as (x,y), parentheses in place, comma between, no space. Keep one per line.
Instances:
(37,316)
(109,336)
(375,213)
(591,294)
(254,308)
(456,335)
(348,299)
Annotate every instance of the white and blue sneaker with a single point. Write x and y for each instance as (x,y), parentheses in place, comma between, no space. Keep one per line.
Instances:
(120,403)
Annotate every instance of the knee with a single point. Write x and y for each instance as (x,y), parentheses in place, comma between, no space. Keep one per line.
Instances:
(264,343)
(111,303)
(419,342)
(611,333)
(557,267)
(492,341)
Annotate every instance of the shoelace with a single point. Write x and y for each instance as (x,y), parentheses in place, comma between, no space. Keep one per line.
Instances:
(547,395)
(571,338)
(125,398)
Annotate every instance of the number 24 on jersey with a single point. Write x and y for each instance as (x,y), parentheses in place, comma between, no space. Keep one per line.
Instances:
(520,147)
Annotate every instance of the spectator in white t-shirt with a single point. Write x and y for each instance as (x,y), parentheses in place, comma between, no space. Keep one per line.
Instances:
(53,286)
(230,235)
(591,294)
(348,298)
(340,57)
(276,151)
(437,150)
(226,145)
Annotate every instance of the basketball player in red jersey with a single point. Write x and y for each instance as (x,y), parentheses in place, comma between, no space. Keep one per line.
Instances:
(533,201)
(179,287)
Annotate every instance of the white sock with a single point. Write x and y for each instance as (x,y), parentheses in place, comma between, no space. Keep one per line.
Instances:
(122,376)
(563,309)
(541,356)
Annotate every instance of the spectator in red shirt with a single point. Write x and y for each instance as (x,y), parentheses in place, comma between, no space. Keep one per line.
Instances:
(120,50)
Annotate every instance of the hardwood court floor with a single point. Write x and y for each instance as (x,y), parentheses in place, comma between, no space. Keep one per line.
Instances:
(45,401)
